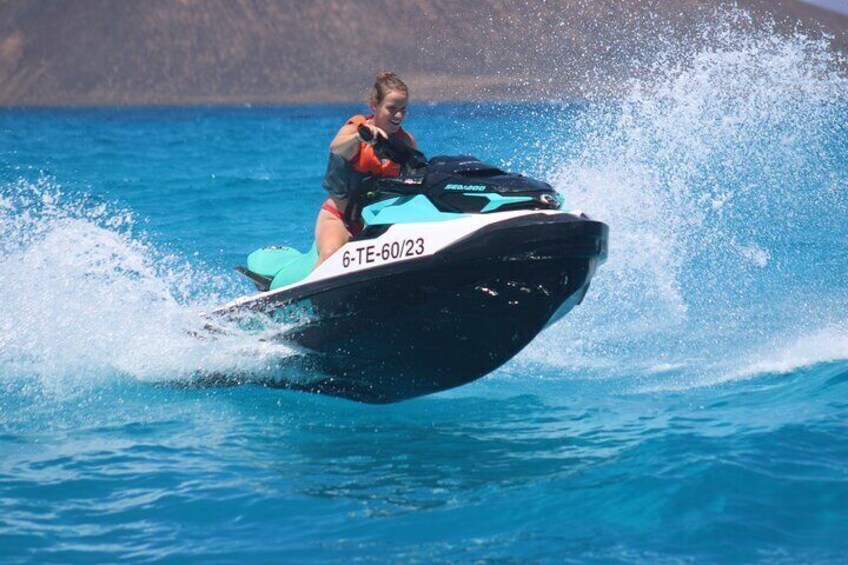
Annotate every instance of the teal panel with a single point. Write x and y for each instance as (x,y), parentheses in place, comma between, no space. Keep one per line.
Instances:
(405,210)
(372,210)
(497,200)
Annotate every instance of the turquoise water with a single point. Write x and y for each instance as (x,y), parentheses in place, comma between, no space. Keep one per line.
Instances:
(692,409)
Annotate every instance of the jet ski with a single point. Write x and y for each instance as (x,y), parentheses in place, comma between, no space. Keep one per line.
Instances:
(458,267)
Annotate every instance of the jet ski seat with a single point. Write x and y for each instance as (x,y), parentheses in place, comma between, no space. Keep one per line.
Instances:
(273,267)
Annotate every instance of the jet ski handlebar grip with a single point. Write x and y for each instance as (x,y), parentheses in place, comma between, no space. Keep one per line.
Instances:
(393,149)
(365,133)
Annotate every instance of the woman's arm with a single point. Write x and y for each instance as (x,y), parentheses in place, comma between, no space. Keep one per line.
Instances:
(346,143)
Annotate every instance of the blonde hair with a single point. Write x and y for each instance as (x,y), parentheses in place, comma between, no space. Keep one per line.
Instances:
(384,83)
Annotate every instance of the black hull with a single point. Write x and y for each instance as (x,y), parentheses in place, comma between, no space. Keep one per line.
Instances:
(422,326)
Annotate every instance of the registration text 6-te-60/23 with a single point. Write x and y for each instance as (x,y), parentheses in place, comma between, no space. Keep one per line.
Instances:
(378,253)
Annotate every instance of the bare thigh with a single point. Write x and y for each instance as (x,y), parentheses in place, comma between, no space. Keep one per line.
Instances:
(330,235)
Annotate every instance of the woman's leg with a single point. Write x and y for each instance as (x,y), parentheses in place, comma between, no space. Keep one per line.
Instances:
(330,235)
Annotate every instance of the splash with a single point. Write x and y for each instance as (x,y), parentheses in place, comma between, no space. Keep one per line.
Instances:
(87,297)
(724,181)
(790,353)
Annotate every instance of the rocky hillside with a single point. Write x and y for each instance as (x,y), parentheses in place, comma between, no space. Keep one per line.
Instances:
(70,52)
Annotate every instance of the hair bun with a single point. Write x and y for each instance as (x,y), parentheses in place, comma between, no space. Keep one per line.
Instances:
(385,82)
(384,75)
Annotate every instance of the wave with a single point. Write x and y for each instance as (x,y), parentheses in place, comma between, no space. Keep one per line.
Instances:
(723,179)
(88,297)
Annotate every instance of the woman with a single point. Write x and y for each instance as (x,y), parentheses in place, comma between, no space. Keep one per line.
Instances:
(352,157)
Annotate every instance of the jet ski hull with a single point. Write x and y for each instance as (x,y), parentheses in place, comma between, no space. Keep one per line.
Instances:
(432,323)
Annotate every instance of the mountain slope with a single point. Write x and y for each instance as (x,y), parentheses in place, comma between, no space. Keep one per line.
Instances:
(68,52)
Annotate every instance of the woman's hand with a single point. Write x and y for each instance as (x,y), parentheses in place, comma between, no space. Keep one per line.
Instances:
(346,143)
(375,131)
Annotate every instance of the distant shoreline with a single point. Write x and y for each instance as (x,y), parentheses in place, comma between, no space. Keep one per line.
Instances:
(212,101)
(423,89)
(272,105)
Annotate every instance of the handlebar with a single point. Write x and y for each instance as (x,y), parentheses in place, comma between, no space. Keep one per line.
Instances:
(365,133)
(393,149)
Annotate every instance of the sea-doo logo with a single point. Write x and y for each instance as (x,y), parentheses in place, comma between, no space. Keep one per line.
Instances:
(466,187)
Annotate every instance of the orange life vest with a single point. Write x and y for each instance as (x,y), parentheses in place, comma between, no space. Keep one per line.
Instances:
(366,162)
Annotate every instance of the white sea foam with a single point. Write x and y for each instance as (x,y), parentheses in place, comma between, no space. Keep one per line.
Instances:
(723,179)
(85,296)
(784,355)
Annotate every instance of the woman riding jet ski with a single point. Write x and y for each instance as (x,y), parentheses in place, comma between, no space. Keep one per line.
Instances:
(352,158)
(457,267)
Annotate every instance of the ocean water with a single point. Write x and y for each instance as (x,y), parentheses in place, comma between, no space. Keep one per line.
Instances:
(693,408)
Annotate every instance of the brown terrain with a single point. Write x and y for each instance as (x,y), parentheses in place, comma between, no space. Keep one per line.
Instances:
(119,52)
